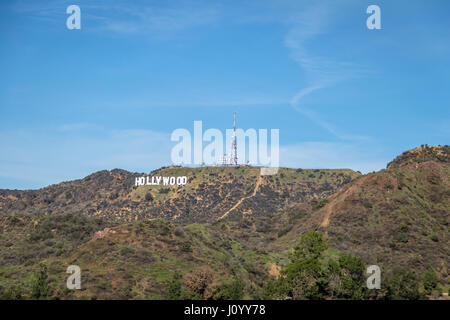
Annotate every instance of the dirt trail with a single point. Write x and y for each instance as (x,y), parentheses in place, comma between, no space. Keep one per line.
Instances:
(258,183)
(326,220)
(338,199)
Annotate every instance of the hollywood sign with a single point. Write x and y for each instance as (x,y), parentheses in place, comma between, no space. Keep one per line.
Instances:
(159,180)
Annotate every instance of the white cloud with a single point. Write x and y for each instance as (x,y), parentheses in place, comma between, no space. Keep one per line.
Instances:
(320,71)
(39,158)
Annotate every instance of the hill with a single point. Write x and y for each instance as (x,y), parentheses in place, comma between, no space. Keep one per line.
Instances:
(423,153)
(211,193)
(396,218)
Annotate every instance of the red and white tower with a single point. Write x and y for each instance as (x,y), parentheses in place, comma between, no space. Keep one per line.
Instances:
(233,155)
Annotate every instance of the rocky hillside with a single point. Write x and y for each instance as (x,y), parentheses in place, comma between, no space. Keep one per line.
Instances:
(397,218)
(211,193)
(424,153)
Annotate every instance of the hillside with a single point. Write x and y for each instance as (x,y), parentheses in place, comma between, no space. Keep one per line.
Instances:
(396,218)
(424,153)
(211,193)
(130,261)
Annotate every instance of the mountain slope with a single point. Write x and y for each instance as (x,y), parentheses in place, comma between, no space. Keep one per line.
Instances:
(211,193)
(394,218)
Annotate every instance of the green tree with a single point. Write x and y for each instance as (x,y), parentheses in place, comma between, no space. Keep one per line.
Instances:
(351,272)
(174,288)
(307,278)
(40,287)
(233,290)
(307,286)
(334,279)
(403,286)
(310,274)
(430,280)
(276,288)
(305,256)
(310,245)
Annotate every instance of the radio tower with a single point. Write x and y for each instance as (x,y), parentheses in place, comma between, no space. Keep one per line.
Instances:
(233,157)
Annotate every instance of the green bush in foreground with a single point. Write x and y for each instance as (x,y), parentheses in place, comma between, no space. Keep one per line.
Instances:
(310,275)
(404,286)
(430,280)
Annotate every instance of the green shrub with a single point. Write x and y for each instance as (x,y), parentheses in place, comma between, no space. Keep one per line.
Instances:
(403,286)
(179,232)
(232,291)
(148,197)
(174,287)
(321,203)
(186,247)
(430,280)
(40,287)
(434,237)
(276,289)
(352,277)
(12,293)
(126,251)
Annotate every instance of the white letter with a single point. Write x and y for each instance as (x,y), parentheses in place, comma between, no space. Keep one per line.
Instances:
(374,21)
(274,158)
(374,281)
(73,21)
(184,146)
(252,145)
(198,144)
(74,280)
(215,147)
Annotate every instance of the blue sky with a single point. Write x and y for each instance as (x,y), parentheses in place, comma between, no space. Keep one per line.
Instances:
(109,95)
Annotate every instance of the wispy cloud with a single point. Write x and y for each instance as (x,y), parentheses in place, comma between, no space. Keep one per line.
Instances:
(125,17)
(174,17)
(320,71)
(313,21)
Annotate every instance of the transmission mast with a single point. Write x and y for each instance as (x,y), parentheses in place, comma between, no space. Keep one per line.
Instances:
(233,156)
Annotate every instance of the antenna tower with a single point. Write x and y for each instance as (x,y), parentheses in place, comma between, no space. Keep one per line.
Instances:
(233,157)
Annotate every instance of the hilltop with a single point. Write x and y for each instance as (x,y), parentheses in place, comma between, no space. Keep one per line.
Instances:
(440,154)
(210,194)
